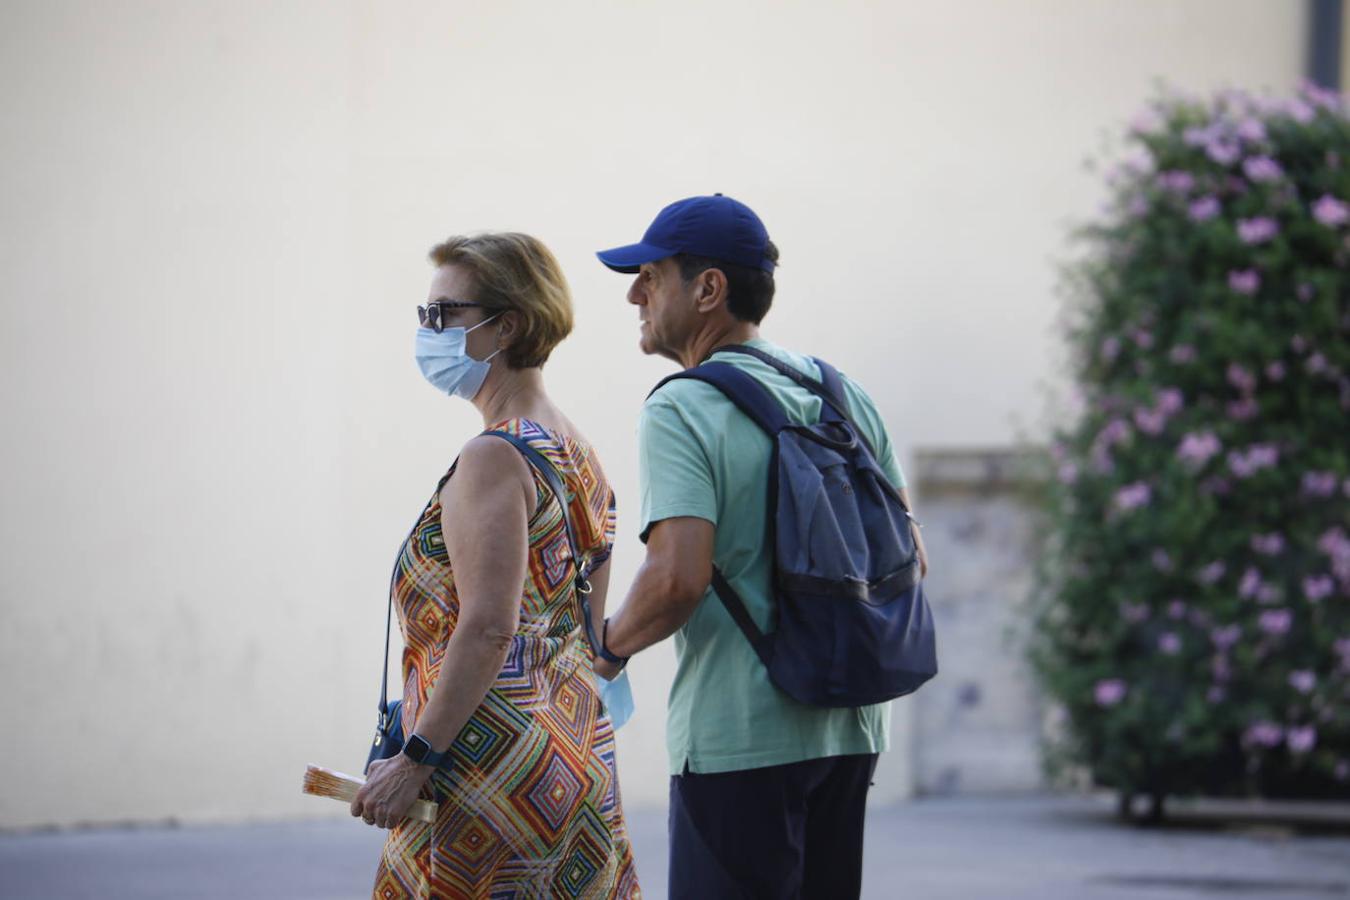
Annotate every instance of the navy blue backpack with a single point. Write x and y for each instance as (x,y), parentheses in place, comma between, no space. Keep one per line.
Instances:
(852,624)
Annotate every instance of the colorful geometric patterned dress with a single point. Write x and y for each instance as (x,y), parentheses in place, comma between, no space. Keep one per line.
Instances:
(530,806)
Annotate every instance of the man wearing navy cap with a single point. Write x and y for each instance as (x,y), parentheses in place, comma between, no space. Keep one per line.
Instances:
(767,794)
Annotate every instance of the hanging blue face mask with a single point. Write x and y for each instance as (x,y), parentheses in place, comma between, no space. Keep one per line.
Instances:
(446,363)
(617,695)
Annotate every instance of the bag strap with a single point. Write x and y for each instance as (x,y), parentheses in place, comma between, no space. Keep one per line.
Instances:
(832,394)
(830,388)
(545,468)
(742,389)
(753,399)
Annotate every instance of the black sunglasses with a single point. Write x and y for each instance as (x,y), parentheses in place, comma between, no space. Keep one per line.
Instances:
(430,316)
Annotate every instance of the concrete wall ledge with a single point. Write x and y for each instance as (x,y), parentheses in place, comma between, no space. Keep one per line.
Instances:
(972,469)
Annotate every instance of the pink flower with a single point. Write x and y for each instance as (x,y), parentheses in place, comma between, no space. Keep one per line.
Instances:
(1342,647)
(1223,152)
(1257,230)
(1196,136)
(1262,168)
(1268,594)
(1252,130)
(1146,122)
(1143,338)
(1212,572)
(1215,694)
(1305,292)
(1320,96)
(1109,691)
(1110,348)
(1176,609)
(1116,431)
(1244,409)
(1301,740)
(1302,681)
(1169,643)
(1170,401)
(1298,344)
(1150,421)
(1225,636)
(1330,212)
(1241,379)
(1264,734)
(1318,587)
(1320,484)
(1275,371)
(1316,364)
(1342,770)
(1161,560)
(1268,544)
(1133,496)
(1203,209)
(1299,111)
(1275,621)
(1244,281)
(1250,583)
(1256,458)
(1182,354)
(1198,447)
(1176,180)
(1068,473)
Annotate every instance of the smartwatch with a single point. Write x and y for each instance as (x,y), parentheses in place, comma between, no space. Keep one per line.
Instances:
(418,749)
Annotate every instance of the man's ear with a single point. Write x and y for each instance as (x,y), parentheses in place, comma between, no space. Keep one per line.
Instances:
(710,289)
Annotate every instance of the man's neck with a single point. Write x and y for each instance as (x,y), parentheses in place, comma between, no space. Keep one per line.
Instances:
(703,344)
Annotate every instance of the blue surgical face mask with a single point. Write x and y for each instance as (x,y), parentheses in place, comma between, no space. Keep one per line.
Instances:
(446,363)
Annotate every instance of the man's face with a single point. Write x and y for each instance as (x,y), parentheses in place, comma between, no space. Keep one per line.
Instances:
(666,310)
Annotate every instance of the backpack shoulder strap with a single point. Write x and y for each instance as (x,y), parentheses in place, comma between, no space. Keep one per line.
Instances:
(829,389)
(742,389)
(836,407)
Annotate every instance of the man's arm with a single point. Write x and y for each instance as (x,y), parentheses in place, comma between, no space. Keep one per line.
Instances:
(669,584)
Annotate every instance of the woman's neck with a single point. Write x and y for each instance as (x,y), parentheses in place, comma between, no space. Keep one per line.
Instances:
(514,393)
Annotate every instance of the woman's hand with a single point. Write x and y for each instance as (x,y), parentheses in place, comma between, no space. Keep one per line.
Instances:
(391,787)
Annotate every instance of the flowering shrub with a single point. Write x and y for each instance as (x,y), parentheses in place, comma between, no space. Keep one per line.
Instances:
(1196,614)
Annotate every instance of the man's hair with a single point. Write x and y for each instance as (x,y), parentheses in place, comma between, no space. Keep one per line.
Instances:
(749,289)
(515,272)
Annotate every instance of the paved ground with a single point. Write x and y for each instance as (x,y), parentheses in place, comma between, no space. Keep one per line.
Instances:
(1013,849)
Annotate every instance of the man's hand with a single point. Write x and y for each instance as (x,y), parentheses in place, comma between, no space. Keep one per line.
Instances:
(606,669)
(919,548)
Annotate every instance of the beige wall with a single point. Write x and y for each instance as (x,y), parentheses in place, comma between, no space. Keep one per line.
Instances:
(214,221)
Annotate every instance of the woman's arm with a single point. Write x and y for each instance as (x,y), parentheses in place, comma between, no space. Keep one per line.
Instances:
(485,515)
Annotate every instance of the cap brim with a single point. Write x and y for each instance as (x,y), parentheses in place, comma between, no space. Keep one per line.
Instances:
(630,258)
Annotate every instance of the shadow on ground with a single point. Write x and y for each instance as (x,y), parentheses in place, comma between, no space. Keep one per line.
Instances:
(1002,849)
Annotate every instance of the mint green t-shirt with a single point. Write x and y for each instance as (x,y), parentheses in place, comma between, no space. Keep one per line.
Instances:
(701,456)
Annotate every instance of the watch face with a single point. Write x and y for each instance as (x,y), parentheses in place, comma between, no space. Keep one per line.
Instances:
(417,748)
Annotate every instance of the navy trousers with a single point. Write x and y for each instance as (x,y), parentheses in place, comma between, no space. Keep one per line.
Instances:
(774,833)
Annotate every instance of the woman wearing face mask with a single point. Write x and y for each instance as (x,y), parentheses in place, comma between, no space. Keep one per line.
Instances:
(502,723)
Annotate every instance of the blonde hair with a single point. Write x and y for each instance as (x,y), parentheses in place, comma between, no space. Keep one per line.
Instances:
(515,272)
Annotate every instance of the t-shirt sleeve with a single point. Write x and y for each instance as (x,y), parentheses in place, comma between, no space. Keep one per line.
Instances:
(674,473)
(865,411)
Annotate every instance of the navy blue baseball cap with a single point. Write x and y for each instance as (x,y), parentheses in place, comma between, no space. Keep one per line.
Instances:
(717,227)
